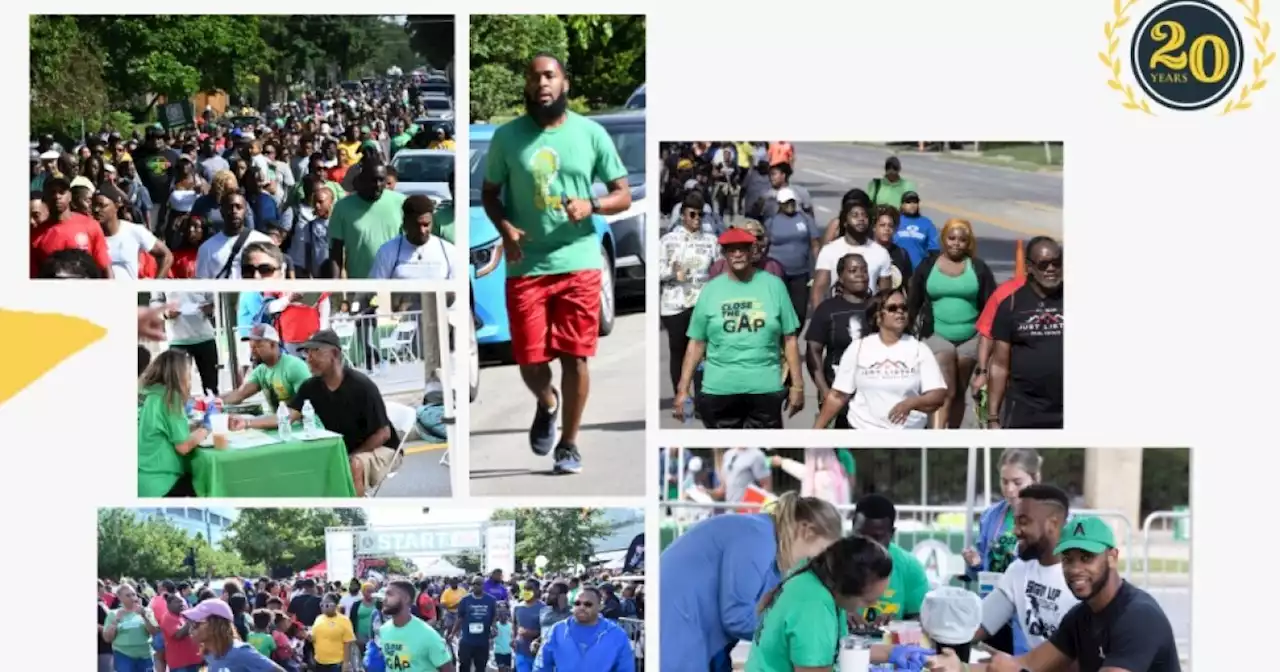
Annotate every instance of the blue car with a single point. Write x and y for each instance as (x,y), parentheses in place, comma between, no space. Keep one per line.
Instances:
(489,266)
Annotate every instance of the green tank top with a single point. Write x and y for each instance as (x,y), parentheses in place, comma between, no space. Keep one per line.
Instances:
(955,302)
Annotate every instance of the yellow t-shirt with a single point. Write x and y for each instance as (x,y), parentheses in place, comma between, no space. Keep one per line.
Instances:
(330,636)
(442,144)
(451,597)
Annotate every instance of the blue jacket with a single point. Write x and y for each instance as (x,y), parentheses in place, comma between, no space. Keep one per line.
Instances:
(714,576)
(610,652)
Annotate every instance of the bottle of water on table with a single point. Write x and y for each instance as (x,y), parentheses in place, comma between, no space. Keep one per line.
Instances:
(309,424)
(284,428)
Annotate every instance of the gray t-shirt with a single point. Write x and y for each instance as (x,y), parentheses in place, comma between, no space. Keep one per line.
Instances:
(789,241)
(742,467)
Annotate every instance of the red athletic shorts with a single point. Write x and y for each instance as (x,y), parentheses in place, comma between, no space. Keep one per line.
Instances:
(552,315)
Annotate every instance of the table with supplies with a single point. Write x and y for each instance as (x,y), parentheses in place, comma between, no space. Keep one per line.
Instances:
(257,463)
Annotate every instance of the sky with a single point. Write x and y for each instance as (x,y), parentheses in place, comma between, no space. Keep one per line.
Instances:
(412,515)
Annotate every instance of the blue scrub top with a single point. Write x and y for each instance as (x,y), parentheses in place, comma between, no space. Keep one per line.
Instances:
(713,578)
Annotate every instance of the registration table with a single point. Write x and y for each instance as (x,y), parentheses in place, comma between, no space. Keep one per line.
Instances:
(256,463)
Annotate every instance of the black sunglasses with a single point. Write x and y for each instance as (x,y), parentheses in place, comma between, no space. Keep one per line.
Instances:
(1046,264)
(580,603)
(251,270)
(895,308)
(696,214)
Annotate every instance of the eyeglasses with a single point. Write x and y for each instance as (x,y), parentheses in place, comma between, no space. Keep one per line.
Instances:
(895,308)
(580,603)
(256,270)
(1046,264)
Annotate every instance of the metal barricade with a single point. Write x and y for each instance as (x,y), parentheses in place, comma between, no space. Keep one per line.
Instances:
(913,522)
(634,627)
(1147,524)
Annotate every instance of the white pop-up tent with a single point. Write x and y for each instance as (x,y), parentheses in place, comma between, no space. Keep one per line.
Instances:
(442,567)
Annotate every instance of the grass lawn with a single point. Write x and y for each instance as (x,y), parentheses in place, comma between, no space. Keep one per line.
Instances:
(1023,156)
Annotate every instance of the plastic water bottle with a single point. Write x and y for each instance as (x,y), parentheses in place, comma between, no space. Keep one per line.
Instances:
(688,410)
(283,425)
(855,654)
(308,417)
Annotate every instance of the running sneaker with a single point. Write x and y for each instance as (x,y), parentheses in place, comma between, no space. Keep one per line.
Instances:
(542,434)
(568,459)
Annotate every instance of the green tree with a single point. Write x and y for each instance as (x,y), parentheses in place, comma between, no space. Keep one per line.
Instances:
(431,37)
(284,540)
(564,536)
(468,561)
(68,90)
(501,47)
(402,566)
(606,56)
(495,91)
(131,546)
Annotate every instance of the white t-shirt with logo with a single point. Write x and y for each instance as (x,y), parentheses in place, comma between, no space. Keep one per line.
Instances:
(400,259)
(884,375)
(130,241)
(879,265)
(1035,595)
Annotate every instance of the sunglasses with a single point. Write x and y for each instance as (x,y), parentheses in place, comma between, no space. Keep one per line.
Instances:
(252,270)
(580,603)
(1046,264)
(693,214)
(895,308)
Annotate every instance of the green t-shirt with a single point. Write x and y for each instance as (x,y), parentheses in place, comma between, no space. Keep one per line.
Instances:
(131,636)
(442,223)
(537,167)
(743,324)
(845,456)
(889,193)
(363,227)
(280,382)
(802,628)
(413,647)
(160,429)
(398,142)
(364,621)
(906,590)
(263,642)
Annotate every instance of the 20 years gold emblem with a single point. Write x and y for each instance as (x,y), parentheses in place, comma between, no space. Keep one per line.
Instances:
(1187,55)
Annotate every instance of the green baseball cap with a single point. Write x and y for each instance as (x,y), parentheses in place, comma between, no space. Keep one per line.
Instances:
(1088,533)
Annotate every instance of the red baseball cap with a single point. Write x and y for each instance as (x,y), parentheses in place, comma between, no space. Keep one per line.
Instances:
(736,236)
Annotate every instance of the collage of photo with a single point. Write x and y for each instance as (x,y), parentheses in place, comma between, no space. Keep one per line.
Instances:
(279,191)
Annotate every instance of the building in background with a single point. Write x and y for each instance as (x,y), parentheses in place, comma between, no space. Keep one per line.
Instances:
(625,525)
(211,523)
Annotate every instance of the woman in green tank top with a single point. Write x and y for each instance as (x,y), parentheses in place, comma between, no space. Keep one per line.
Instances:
(945,297)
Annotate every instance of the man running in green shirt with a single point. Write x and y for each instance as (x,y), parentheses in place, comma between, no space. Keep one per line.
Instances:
(546,161)
(278,376)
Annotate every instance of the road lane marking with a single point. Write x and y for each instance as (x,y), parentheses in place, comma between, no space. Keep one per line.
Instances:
(1045,207)
(424,448)
(998,222)
(827,176)
(822,208)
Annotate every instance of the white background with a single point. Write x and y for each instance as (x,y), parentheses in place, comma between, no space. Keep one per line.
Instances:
(1168,220)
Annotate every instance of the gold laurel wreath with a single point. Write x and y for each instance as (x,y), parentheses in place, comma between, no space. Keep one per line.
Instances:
(1265,57)
(1120,16)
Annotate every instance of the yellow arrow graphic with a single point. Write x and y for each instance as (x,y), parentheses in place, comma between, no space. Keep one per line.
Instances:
(32,344)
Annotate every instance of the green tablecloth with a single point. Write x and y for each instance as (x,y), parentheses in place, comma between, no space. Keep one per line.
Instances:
(317,468)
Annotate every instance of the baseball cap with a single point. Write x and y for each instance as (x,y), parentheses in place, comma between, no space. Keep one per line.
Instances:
(786,194)
(50,155)
(210,607)
(736,236)
(910,197)
(263,332)
(1089,534)
(82,181)
(950,615)
(325,338)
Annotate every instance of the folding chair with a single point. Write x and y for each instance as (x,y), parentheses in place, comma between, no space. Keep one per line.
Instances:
(403,418)
(346,332)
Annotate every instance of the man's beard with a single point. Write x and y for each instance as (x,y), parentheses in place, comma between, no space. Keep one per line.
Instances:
(1097,586)
(1028,551)
(545,114)
(392,609)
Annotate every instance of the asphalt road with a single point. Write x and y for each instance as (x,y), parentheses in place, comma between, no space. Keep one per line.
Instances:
(420,473)
(1005,205)
(612,436)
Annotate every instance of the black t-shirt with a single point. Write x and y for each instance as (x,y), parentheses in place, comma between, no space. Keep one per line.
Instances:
(306,608)
(355,410)
(1033,328)
(103,645)
(1132,633)
(835,323)
(155,169)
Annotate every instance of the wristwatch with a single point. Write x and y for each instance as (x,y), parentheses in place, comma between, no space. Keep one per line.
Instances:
(595,204)
(980,371)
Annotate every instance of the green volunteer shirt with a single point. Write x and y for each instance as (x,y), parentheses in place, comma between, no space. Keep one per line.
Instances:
(160,428)
(398,142)
(263,642)
(413,647)
(442,223)
(743,324)
(280,382)
(889,193)
(363,227)
(802,628)
(131,639)
(907,587)
(538,166)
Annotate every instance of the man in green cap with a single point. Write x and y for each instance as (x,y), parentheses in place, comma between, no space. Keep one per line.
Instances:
(1117,627)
